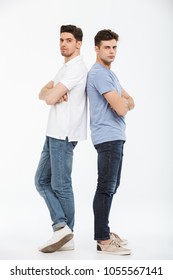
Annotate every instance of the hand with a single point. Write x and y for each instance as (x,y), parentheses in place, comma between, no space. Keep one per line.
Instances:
(63,98)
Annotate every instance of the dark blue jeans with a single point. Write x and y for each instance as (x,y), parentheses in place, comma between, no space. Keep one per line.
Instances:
(110,155)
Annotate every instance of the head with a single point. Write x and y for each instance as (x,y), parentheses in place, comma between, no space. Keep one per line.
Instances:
(106,46)
(70,41)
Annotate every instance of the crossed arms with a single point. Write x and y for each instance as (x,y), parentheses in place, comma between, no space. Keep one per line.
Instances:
(56,94)
(53,94)
(120,104)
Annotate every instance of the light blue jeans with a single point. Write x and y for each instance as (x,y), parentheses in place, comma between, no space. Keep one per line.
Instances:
(53,181)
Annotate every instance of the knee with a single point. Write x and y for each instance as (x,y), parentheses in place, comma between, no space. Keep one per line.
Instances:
(39,186)
(37,183)
(109,189)
(113,187)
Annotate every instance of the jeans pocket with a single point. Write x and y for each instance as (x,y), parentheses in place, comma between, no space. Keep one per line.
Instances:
(74,143)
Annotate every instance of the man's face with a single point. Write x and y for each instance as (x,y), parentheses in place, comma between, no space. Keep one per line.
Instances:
(68,44)
(106,52)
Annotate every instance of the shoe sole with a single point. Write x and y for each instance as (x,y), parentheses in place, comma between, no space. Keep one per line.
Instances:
(123,243)
(66,249)
(56,246)
(115,253)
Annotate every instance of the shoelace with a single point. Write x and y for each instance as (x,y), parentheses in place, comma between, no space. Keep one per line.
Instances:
(115,243)
(116,236)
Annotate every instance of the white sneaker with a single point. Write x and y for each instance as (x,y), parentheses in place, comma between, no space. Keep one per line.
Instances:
(59,238)
(118,239)
(67,246)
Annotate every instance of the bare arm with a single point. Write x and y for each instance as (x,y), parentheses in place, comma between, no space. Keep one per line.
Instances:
(117,103)
(53,94)
(120,104)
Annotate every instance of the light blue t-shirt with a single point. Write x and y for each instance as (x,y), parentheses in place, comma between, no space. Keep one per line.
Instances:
(106,125)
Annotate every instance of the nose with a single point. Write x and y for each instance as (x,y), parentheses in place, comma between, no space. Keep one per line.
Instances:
(63,43)
(112,50)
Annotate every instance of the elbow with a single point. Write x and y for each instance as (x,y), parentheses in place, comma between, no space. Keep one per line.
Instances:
(132,106)
(122,114)
(49,101)
(40,96)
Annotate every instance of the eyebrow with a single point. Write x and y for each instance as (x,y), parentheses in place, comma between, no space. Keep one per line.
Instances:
(108,46)
(66,38)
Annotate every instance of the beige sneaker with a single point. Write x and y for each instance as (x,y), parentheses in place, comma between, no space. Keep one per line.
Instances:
(112,248)
(115,236)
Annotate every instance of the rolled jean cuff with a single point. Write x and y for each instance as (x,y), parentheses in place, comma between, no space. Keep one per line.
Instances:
(58,226)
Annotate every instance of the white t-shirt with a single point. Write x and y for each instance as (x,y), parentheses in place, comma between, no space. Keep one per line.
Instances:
(69,119)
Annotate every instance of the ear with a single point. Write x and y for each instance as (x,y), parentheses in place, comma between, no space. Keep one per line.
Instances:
(79,44)
(96,49)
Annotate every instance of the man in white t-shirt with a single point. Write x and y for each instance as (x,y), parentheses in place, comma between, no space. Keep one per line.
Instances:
(66,126)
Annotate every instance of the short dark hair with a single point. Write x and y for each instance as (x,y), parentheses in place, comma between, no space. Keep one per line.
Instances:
(105,35)
(76,31)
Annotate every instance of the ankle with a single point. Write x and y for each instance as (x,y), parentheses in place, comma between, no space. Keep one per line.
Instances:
(104,242)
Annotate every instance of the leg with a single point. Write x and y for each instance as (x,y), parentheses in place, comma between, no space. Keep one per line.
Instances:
(45,176)
(61,159)
(110,156)
(43,185)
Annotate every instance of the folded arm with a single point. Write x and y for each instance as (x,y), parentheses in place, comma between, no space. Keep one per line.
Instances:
(53,94)
(120,104)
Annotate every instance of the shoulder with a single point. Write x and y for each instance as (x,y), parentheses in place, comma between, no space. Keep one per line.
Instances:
(76,62)
(97,70)
(75,69)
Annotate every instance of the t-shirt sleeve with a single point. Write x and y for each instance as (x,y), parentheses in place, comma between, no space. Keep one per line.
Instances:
(103,82)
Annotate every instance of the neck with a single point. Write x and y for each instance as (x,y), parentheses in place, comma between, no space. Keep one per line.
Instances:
(68,58)
(103,62)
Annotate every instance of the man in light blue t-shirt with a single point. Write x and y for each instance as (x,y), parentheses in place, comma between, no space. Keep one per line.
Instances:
(109,103)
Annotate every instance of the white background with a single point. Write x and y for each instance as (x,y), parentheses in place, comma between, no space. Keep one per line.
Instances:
(29,57)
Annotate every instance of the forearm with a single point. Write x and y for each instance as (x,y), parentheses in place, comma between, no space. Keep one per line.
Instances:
(117,103)
(53,94)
